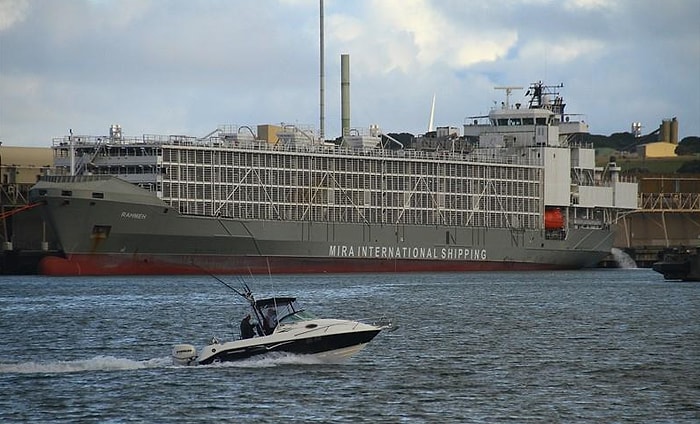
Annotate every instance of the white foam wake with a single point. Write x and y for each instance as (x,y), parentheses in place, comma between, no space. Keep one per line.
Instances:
(111,363)
(272,359)
(623,259)
(98,363)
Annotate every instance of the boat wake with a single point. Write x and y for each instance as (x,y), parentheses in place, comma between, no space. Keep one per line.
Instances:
(111,363)
(623,259)
(273,359)
(98,363)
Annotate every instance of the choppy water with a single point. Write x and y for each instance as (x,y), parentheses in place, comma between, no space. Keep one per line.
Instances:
(585,346)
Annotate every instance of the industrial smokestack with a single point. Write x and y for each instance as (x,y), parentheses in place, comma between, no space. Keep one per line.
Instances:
(322,111)
(345,93)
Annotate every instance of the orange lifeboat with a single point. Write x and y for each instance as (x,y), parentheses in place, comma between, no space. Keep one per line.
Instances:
(553,219)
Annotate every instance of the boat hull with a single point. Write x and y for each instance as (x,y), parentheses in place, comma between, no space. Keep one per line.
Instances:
(110,227)
(145,264)
(331,347)
(684,266)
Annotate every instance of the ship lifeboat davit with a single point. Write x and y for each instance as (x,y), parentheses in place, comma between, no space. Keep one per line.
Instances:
(553,219)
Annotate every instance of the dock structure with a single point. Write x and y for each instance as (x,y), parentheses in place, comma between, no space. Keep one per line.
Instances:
(24,237)
(668,217)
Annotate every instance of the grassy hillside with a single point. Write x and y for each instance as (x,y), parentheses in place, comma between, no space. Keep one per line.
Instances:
(623,146)
(651,166)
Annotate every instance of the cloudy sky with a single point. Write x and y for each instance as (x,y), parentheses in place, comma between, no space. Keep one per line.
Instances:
(186,66)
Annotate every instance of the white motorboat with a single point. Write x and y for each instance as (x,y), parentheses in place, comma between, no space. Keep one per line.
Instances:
(292,330)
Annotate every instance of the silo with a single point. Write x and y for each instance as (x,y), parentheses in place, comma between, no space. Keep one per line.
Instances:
(665,134)
(674,131)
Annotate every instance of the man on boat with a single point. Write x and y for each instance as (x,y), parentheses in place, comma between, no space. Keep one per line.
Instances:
(247,328)
(270,320)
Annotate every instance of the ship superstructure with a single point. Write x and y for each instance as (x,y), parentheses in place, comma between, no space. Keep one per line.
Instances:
(519,191)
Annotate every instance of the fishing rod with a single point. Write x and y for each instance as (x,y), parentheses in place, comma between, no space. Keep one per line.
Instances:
(248,295)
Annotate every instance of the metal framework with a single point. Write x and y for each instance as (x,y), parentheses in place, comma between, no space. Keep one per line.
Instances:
(359,187)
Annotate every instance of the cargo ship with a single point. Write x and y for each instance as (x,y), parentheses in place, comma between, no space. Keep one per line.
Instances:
(517,189)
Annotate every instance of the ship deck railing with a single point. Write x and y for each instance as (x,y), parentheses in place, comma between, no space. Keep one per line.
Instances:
(75,178)
(485,155)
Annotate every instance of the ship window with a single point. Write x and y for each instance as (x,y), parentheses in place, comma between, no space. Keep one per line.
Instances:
(66,193)
(541,121)
(503,121)
(98,195)
(515,121)
(528,121)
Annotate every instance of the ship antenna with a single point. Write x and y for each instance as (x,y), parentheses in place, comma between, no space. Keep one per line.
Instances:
(72,152)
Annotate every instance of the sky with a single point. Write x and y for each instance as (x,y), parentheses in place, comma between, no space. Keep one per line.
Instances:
(190,66)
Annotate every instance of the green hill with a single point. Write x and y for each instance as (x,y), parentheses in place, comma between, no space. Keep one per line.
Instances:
(623,148)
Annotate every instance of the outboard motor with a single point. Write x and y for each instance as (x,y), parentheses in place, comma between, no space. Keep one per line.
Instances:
(184,354)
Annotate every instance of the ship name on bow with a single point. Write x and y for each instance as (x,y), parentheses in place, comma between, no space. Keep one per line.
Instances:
(406,252)
(133,215)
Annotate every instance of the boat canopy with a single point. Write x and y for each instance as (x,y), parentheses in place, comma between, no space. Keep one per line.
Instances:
(272,310)
(274,301)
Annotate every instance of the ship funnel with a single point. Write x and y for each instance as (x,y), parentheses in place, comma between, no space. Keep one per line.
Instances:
(345,93)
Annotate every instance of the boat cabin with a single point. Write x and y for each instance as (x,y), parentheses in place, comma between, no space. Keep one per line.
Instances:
(278,310)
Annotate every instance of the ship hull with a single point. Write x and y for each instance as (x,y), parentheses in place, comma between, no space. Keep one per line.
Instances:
(116,264)
(124,230)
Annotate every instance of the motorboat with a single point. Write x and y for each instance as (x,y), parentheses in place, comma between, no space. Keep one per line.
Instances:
(279,324)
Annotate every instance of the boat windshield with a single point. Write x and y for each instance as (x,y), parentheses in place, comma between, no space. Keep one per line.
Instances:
(301,315)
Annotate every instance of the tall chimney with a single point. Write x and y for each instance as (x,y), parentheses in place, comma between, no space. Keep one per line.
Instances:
(322,111)
(345,93)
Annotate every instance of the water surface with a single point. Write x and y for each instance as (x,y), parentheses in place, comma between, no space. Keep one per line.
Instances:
(581,346)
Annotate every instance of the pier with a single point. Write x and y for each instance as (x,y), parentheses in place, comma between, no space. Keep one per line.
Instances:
(668,217)
(24,237)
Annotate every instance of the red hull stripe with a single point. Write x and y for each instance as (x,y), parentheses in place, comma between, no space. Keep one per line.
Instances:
(185,265)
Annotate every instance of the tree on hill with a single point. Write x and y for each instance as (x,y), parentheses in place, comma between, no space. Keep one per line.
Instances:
(618,141)
(688,146)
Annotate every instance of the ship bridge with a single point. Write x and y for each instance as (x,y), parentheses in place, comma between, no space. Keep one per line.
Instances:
(542,123)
